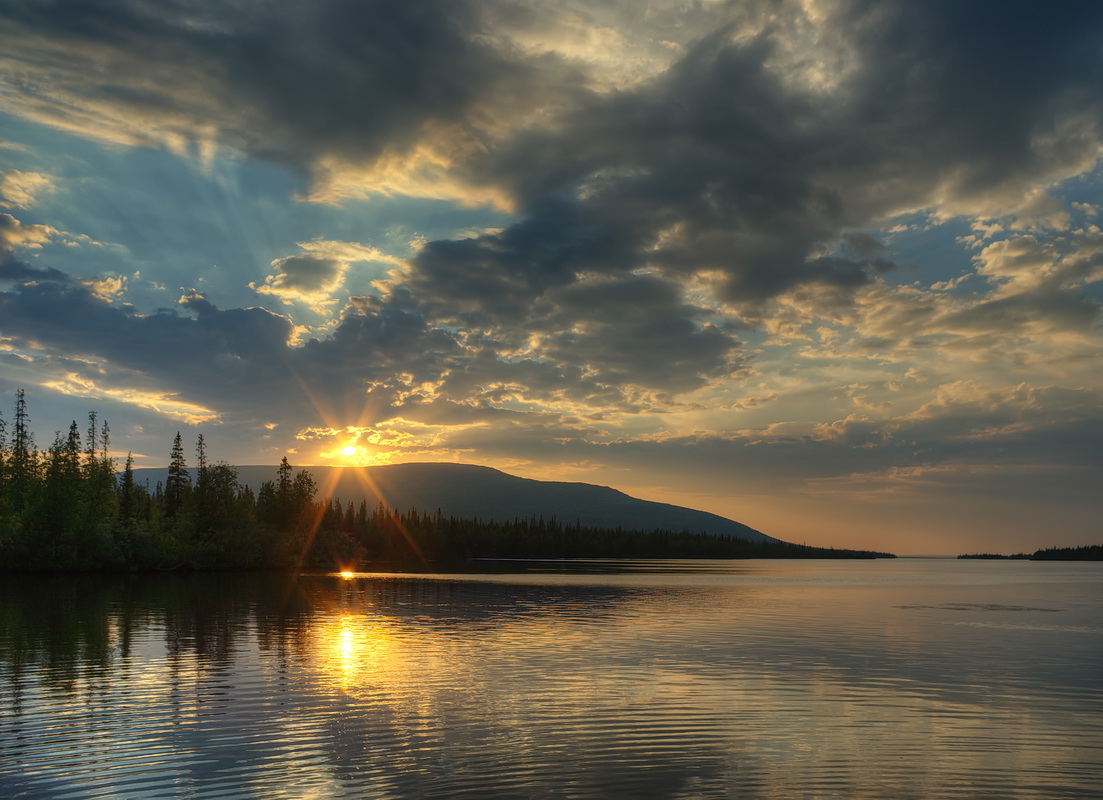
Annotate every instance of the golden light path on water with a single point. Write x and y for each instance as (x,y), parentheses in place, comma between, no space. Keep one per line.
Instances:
(689,680)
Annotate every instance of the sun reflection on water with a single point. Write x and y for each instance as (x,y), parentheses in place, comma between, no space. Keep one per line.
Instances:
(355,649)
(403,688)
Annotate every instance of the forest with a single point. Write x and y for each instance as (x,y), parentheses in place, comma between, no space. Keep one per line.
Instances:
(1090,552)
(69,508)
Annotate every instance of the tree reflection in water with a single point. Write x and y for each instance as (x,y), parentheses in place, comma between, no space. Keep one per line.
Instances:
(771,681)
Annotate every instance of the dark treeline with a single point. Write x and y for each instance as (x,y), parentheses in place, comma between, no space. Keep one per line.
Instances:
(996,556)
(1090,552)
(68,508)
(387,535)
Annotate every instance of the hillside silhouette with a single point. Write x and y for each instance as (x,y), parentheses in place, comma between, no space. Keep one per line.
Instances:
(69,508)
(469,491)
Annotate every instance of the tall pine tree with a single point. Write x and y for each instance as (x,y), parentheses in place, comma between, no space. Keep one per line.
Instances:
(23,460)
(178,481)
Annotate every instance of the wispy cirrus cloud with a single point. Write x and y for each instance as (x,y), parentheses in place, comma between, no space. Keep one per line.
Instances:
(19,189)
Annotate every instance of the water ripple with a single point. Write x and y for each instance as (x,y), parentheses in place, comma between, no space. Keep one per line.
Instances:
(721,685)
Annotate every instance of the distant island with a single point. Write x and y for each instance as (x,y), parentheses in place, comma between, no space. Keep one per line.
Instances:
(1092,552)
(68,508)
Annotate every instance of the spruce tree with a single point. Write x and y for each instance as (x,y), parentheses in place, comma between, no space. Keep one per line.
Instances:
(23,462)
(54,520)
(201,495)
(99,473)
(201,454)
(91,450)
(178,481)
(283,480)
(4,458)
(128,492)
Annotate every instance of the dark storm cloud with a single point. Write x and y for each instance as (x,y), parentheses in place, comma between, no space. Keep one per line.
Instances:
(247,333)
(723,163)
(353,79)
(376,339)
(493,277)
(603,343)
(750,165)
(981,88)
(229,359)
(722,166)
(631,329)
(12,269)
(700,169)
(371,366)
(749,170)
(304,274)
(638,331)
(69,317)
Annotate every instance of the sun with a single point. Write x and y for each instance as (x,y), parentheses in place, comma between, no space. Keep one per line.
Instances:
(352,454)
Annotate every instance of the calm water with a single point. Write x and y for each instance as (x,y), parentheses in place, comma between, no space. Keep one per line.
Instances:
(761,679)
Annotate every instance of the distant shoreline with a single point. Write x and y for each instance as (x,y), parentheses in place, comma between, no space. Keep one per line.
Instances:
(1091,552)
(428,566)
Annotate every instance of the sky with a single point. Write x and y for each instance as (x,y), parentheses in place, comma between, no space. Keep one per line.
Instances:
(831,268)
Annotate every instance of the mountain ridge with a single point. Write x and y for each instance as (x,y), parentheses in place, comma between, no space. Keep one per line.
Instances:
(476,491)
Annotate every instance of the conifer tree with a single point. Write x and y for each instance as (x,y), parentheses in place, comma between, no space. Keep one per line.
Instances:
(201,454)
(54,520)
(128,492)
(283,480)
(23,461)
(201,496)
(178,481)
(3,472)
(70,459)
(90,450)
(99,473)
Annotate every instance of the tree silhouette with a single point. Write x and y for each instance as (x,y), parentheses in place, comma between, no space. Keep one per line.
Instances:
(66,509)
(23,462)
(178,481)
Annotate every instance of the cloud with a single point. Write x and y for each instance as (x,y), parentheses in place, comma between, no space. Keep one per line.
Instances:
(205,359)
(635,330)
(304,277)
(978,436)
(387,92)
(744,149)
(696,198)
(1028,264)
(14,233)
(314,276)
(721,164)
(19,189)
(1032,298)
(78,384)
(727,167)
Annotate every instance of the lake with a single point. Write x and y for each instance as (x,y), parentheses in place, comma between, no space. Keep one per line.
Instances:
(906,678)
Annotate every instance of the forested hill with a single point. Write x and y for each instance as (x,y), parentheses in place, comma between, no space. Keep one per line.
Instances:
(468,491)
